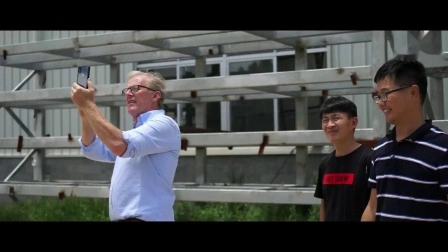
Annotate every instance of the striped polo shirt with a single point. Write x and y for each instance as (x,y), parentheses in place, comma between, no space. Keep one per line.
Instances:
(411,176)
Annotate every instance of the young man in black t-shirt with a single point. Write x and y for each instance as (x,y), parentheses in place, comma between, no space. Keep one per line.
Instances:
(343,174)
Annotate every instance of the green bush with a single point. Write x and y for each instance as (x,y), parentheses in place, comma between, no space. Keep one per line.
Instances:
(53,209)
(90,209)
(198,211)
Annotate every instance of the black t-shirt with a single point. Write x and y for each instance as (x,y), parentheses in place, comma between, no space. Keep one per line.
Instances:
(342,184)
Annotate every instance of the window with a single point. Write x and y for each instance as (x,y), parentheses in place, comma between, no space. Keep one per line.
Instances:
(169,73)
(286,106)
(213,117)
(251,115)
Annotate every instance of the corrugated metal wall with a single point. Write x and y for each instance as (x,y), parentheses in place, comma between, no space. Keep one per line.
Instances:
(60,122)
(9,78)
(445,81)
(359,54)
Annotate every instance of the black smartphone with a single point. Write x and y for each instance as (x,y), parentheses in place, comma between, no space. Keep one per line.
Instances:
(83,76)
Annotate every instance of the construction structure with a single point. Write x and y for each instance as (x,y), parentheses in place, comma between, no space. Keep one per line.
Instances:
(112,49)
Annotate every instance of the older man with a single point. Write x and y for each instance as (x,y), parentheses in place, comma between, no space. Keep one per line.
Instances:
(145,157)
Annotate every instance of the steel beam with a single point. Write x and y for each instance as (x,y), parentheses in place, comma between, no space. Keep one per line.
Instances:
(213,151)
(19,166)
(206,96)
(302,196)
(314,38)
(118,53)
(253,151)
(330,78)
(211,39)
(210,44)
(228,139)
(62,46)
(277,35)
(124,58)
(95,49)
(246,94)
(39,61)
(436,65)
(134,46)
(242,194)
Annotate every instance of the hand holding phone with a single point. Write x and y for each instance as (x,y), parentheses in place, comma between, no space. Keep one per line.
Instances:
(83,76)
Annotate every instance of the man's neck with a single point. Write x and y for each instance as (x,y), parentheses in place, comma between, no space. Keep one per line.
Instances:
(404,129)
(345,147)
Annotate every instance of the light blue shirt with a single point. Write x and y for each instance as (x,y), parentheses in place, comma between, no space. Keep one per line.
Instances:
(142,179)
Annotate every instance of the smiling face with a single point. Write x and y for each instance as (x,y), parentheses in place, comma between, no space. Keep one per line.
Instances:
(338,126)
(402,85)
(397,105)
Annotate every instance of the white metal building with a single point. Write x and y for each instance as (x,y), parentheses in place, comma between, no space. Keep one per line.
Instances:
(226,112)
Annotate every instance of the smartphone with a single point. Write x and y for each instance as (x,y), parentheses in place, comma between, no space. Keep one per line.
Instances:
(83,76)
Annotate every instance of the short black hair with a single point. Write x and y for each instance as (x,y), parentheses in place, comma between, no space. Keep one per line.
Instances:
(405,71)
(338,104)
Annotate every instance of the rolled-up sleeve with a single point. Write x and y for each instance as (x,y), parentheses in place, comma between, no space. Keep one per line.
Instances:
(97,151)
(155,136)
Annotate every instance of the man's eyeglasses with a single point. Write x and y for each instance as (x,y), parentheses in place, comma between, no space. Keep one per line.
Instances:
(383,96)
(134,89)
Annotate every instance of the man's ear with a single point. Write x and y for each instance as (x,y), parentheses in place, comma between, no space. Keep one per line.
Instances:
(355,121)
(415,91)
(157,95)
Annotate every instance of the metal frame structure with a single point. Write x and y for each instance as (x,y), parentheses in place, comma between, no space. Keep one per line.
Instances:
(225,62)
(134,46)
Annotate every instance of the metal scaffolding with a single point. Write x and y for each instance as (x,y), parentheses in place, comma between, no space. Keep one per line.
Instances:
(134,46)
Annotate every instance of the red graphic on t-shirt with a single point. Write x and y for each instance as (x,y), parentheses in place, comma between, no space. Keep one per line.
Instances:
(339,178)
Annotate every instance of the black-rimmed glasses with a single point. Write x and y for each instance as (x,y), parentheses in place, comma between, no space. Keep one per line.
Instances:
(135,88)
(383,96)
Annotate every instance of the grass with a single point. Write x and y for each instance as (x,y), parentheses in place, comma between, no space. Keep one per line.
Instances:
(198,211)
(53,209)
(92,209)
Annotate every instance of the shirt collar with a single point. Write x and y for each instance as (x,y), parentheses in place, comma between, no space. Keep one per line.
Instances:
(417,134)
(147,116)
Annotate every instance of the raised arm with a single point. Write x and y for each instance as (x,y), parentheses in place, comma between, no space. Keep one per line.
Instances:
(87,133)
(109,135)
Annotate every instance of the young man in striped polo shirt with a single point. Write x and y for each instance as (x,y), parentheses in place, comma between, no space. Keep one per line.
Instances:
(409,176)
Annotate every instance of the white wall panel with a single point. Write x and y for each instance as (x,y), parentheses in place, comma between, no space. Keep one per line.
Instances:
(358,54)
(59,122)
(445,80)
(9,78)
